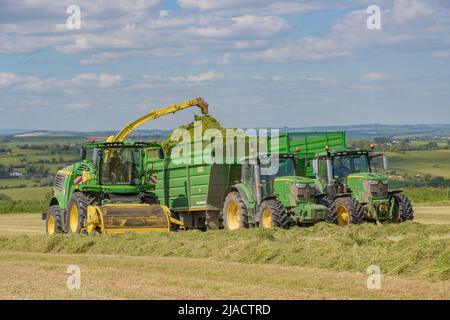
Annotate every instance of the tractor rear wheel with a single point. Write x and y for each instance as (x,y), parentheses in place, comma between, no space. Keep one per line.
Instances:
(235,214)
(404,208)
(53,222)
(273,215)
(77,209)
(345,211)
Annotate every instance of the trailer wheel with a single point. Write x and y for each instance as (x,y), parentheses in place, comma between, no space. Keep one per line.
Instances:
(273,215)
(403,207)
(53,222)
(235,214)
(345,211)
(78,204)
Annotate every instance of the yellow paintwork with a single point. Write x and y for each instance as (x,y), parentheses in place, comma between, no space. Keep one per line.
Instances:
(73,218)
(342,215)
(284,179)
(51,225)
(267,218)
(233,216)
(96,222)
(357,177)
(64,172)
(199,102)
(87,176)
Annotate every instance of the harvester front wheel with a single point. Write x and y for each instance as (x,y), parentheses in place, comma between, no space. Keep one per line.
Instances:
(53,222)
(77,212)
(403,208)
(273,215)
(345,211)
(235,215)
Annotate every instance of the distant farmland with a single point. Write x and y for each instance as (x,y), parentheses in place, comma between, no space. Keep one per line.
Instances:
(433,162)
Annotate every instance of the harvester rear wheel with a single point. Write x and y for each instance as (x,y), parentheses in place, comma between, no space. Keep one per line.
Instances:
(404,208)
(53,223)
(345,211)
(235,215)
(273,215)
(77,212)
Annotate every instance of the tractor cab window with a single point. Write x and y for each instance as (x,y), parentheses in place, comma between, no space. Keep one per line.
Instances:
(347,164)
(322,168)
(120,166)
(286,167)
(376,164)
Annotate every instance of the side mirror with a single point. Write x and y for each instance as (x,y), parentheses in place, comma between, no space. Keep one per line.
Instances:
(82,154)
(315,166)
(161,153)
(385,163)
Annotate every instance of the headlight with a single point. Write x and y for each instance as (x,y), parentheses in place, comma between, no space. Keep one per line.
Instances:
(374,182)
(312,185)
(385,181)
(300,185)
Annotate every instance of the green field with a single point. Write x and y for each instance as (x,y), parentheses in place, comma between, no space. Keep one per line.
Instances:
(13,182)
(26,194)
(320,262)
(433,162)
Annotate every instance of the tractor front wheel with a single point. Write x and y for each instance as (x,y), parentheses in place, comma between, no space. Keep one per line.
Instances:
(53,222)
(345,211)
(403,210)
(273,215)
(77,212)
(235,215)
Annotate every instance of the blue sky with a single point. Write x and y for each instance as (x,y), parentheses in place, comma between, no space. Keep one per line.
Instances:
(259,63)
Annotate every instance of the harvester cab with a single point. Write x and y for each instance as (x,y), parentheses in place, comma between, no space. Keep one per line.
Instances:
(271,195)
(357,172)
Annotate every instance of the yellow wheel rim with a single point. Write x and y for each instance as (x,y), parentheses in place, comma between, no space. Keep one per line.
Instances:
(51,225)
(267,218)
(233,216)
(73,218)
(343,216)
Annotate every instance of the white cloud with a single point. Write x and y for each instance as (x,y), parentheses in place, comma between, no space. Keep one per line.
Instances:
(207,76)
(77,105)
(405,11)
(7,79)
(248,26)
(374,76)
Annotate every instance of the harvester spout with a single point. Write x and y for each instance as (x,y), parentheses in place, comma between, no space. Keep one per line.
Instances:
(154,114)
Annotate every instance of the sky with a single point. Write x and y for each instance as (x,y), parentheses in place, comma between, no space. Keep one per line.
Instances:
(259,63)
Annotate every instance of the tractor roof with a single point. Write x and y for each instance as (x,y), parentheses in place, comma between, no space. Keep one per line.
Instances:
(344,151)
(124,144)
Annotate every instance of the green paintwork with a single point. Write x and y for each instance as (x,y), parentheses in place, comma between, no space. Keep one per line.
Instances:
(65,185)
(198,186)
(312,146)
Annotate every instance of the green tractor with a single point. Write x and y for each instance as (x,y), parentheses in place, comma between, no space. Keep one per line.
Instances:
(108,191)
(271,199)
(355,172)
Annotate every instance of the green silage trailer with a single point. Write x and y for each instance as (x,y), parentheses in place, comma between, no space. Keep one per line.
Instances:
(306,145)
(234,194)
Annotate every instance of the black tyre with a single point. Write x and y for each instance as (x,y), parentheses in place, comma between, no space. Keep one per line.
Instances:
(235,214)
(273,215)
(53,222)
(76,212)
(175,227)
(345,211)
(403,208)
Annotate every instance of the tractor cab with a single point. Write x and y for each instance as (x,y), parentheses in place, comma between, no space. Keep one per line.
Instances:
(340,169)
(115,166)
(275,177)
(263,171)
